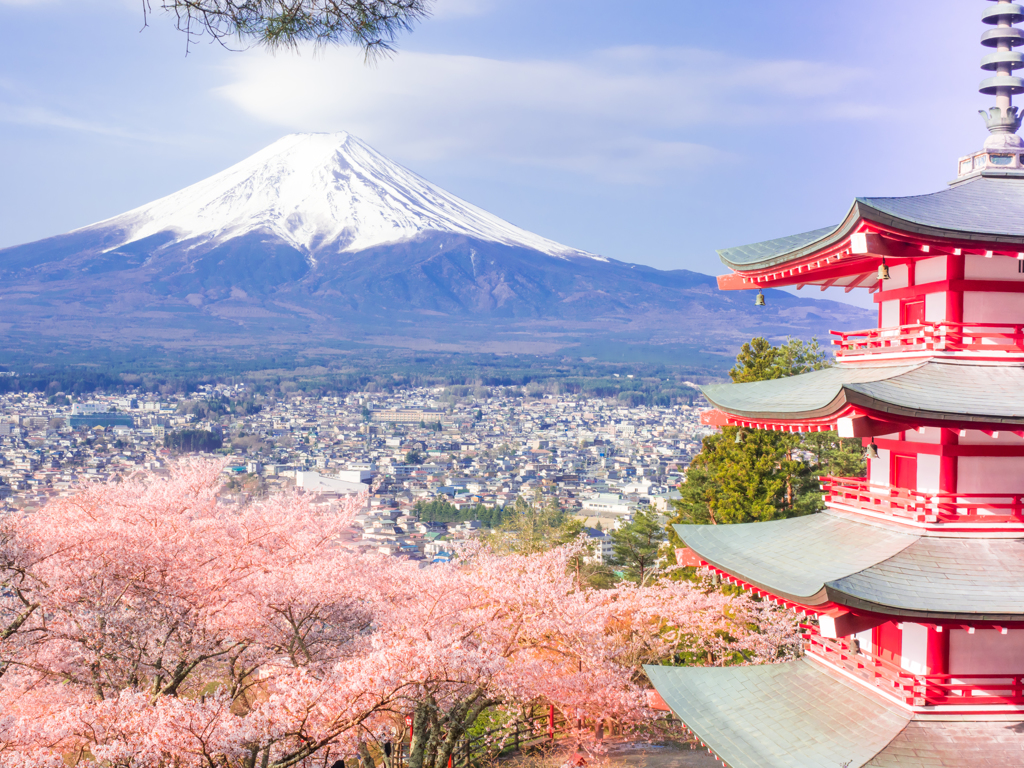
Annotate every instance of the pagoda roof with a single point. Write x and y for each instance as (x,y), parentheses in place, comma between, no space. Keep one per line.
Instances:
(827,558)
(798,714)
(983,209)
(935,390)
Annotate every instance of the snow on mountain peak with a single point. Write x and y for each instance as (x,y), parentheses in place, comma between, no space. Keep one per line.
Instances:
(315,190)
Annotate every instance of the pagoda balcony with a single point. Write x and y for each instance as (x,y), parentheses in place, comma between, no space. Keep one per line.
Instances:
(924,507)
(968,692)
(974,341)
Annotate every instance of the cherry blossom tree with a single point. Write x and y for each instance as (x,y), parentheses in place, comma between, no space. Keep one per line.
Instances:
(146,624)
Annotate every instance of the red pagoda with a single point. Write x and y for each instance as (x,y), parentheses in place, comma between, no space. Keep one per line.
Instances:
(915,573)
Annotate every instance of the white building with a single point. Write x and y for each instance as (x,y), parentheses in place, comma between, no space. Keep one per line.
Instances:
(314,481)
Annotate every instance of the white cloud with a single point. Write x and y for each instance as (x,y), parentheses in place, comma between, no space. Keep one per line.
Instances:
(624,114)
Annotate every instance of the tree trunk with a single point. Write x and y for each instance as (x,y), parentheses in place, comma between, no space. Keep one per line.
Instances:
(417,747)
(364,755)
(433,737)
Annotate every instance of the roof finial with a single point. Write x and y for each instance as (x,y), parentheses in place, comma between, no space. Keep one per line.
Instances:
(1003,120)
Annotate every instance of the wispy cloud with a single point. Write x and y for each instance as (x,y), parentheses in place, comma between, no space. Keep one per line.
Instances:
(40,116)
(19,110)
(626,114)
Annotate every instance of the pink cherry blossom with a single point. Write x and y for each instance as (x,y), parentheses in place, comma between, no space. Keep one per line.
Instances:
(145,624)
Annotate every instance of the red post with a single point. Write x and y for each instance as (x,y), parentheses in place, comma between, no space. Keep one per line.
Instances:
(551,722)
(937,656)
(955,298)
(408,721)
(947,462)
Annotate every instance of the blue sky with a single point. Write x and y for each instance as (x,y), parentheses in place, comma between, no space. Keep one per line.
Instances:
(651,132)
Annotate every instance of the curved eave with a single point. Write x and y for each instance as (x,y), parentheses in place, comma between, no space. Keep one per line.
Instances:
(789,715)
(929,617)
(794,559)
(955,394)
(865,214)
(835,237)
(801,713)
(835,407)
(827,559)
(849,403)
(869,212)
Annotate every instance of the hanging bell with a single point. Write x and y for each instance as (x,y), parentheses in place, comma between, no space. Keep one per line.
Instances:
(871,452)
(759,301)
(739,438)
(883,271)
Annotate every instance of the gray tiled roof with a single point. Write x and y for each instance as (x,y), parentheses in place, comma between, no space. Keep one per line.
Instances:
(990,209)
(946,576)
(831,558)
(795,558)
(757,253)
(797,715)
(796,394)
(982,205)
(779,715)
(934,389)
(952,744)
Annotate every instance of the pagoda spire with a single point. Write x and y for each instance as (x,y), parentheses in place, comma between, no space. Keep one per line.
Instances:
(1003,120)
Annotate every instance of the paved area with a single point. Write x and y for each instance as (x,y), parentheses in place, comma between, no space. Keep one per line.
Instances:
(624,754)
(633,755)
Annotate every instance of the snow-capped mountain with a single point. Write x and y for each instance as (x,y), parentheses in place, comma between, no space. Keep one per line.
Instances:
(320,240)
(320,192)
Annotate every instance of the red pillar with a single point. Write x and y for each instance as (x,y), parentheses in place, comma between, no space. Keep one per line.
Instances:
(551,721)
(947,464)
(955,299)
(937,659)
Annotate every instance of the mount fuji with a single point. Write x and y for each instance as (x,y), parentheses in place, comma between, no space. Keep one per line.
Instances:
(319,238)
(319,193)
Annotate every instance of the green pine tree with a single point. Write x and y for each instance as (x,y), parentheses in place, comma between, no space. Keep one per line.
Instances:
(635,546)
(534,526)
(744,475)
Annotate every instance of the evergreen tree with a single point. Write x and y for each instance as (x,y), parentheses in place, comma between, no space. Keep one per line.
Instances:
(744,475)
(193,441)
(442,511)
(534,526)
(635,546)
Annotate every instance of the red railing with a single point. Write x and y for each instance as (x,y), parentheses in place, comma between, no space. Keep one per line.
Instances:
(915,690)
(924,506)
(939,337)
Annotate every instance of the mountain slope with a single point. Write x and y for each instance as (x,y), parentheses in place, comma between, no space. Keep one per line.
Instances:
(319,237)
(320,192)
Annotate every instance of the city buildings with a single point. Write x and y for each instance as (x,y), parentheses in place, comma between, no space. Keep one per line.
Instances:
(489,450)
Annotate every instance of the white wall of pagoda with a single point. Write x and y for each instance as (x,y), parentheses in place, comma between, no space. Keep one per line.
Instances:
(988,305)
(986,652)
(878,469)
(990,474)
(974,474)
(914,649)
(993,307)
